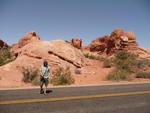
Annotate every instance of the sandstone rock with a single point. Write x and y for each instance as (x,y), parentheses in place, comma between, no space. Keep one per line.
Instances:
(130,35)
(29,37)
(77,42)
(117,33)
(118,40)
(99,44)
(58,52)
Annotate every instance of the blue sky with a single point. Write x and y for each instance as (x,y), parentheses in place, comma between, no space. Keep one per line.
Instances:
(65,19)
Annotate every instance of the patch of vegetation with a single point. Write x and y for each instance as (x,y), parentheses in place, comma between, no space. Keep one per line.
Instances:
(118,75)
(143,75)
(142,63)
(123,62)
(94,57)
(5,55)
(31,75)
(62,76)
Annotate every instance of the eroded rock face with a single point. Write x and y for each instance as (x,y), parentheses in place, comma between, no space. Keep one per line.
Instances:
(77,42)
(117,33)
(57,52)
(118,39)
(99,44)
(29,37)
(3,44)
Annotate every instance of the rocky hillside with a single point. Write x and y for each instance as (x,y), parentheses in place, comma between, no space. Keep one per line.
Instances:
(31,51)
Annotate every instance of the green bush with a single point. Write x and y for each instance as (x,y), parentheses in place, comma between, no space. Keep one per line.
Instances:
(124,63)
(31,75)
(94,57)
(62,76)
(5,55)
(124,60)
(143,75)
(118,75)
(36,81)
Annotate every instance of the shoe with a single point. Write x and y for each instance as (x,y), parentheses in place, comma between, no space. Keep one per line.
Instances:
(41,91)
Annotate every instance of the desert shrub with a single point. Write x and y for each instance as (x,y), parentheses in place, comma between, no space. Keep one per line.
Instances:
(31,75)
(124,60)
(5,55)
(90,56)
(36,81)
(141,63)
(94,57)
(124,63)
(143,75)
(118,75)
(62,76)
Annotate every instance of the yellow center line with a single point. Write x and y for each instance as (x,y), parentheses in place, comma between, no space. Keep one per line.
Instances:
(71,98)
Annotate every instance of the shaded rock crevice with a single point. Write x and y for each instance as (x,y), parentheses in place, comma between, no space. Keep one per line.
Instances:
(65,59)
(33,56)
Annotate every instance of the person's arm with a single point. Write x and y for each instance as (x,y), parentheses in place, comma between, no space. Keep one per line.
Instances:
(49,72)
(41,72)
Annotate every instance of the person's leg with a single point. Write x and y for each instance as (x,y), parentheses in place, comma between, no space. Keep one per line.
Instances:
(41,87)
(46,84)
(45,89)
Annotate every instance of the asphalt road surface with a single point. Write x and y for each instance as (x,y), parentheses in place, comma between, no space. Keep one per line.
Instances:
(132,98)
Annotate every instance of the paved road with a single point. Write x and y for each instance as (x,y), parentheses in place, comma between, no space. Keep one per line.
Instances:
(133,98)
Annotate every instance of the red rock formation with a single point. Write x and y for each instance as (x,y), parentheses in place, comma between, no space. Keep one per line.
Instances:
(77,42)
(118,39)
(117,33)
(29,37)
(99,44)
(130,35)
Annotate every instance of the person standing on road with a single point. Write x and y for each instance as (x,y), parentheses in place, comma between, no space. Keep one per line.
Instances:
(44,79)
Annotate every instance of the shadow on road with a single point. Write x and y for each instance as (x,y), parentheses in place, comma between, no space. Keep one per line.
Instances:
(49,91)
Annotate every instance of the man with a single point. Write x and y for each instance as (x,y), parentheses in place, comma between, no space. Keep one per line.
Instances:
(45,71)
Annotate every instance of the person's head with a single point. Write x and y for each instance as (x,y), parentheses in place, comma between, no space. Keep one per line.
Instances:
(45,63)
